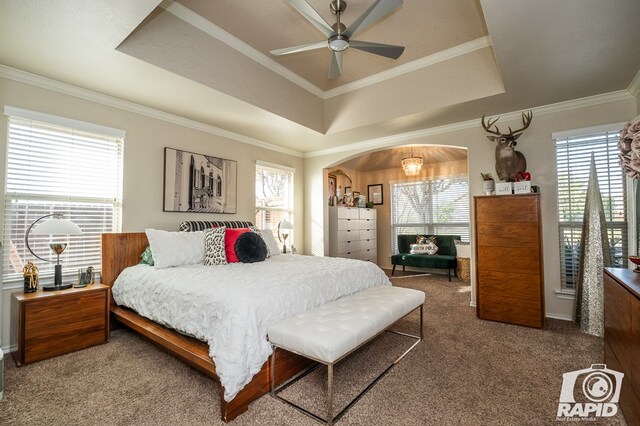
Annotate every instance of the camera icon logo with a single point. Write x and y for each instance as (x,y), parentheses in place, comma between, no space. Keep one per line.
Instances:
(597,390)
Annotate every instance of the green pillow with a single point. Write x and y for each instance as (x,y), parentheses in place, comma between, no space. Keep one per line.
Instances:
(147,256)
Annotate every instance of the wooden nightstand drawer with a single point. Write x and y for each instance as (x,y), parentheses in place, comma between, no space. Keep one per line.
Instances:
(51,324)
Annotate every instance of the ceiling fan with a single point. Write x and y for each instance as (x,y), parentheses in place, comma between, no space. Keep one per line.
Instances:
(340,37)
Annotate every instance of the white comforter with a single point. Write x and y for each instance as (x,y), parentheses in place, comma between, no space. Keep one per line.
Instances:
(230,306)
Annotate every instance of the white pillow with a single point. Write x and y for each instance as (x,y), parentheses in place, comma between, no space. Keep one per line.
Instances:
(428,248)
(176,248)
(463,249)
(272,244)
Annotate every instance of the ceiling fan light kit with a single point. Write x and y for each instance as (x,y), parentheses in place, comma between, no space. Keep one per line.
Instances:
(339,36)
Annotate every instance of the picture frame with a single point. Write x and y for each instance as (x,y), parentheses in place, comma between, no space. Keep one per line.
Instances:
(333,185)
(347,190)
(199,183)
(375,194)
(355,194)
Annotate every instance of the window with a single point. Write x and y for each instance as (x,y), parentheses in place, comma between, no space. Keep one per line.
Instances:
(56,165)
(437,206)
(274,196)
(573,154)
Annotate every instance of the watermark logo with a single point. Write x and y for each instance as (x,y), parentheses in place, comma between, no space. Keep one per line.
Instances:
(588,393)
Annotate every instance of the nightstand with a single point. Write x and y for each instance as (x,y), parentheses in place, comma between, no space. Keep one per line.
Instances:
(51,323)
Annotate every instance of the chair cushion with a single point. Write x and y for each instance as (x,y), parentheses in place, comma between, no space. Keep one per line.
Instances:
(330,331)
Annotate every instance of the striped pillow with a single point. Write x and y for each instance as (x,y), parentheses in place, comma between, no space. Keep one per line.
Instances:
(201,225)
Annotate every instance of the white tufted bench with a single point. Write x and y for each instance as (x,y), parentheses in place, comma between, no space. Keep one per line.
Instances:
(330,332)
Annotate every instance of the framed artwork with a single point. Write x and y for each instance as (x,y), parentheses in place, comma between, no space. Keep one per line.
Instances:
(347,190)
(198,183)
(355,194)
(332,185)
(375,194)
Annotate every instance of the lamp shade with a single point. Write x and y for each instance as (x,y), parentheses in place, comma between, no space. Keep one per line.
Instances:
(56,226)
(285,225)
(412,165)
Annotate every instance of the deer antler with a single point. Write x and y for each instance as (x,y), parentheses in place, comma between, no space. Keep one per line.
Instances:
(487,126)
(526,121)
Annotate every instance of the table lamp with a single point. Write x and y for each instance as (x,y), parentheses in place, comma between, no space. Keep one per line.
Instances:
(285,227)
(56,226)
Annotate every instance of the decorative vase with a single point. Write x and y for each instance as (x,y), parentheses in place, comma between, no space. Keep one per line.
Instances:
(488,186)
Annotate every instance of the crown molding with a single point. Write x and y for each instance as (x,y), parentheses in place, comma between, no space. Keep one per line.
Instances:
(100,98)
(402,138)
(192,18)
(444,55)
(634,86)
(230,40)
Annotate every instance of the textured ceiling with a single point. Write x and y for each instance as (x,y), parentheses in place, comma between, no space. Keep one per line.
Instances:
(391,158)
(540,52)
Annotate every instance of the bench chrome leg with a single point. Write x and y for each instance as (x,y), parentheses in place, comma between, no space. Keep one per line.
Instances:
(421,322)
(330,419)
(330,394)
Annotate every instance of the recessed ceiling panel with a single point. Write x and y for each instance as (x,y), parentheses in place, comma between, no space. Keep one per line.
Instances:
(423,27)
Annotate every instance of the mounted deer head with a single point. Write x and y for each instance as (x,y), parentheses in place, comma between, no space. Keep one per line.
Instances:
(508,161)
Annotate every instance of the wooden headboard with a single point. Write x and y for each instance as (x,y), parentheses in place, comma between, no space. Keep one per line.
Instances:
(120,251)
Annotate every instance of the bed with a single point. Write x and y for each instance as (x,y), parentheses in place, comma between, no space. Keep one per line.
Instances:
(288,274)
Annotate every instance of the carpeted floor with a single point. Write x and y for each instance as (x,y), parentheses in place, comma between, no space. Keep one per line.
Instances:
(465,372)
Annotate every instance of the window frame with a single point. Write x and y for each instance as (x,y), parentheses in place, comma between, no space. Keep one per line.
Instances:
(70,132)
(427,228)
(624,227)
(290,210)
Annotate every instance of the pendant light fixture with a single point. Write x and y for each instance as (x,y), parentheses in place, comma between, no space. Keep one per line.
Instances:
(412,165)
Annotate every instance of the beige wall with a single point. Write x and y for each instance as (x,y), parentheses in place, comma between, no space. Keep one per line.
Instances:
(143,163)
(384,211)
(536,144)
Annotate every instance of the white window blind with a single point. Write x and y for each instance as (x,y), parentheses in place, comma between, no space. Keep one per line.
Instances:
(573,155)
(274,196)
(437,206)
(53,168)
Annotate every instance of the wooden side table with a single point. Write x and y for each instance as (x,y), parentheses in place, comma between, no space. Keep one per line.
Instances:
(51,323)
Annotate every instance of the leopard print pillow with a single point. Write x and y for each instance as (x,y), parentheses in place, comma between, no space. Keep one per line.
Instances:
(214,253)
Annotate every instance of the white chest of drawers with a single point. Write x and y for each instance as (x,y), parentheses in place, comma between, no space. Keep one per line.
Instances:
(352,233)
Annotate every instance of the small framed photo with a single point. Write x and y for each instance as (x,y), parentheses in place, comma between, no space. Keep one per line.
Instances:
(375,194)
(347,190)
(355,194)
(332,185)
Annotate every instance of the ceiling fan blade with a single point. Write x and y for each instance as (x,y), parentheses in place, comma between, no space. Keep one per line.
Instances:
(335,70)
(376,12)
(312,16)
(387,50)
(299,48)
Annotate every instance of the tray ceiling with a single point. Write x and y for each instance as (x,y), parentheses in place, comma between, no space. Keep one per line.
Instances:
(463,58)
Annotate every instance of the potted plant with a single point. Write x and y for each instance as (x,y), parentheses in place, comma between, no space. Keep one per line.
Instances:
(488,184)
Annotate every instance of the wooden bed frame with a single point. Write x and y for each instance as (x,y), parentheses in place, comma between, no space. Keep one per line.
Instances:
(122,250)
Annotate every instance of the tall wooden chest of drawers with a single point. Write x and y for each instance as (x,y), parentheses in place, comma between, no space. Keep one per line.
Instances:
(509,268)
(622,335)
(352,233)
